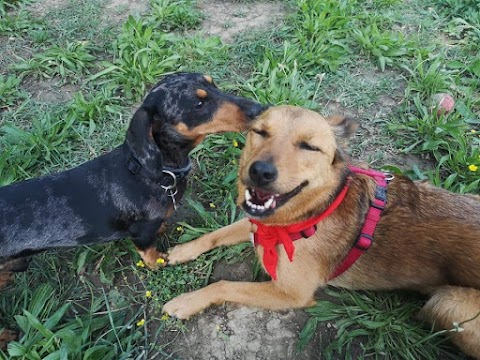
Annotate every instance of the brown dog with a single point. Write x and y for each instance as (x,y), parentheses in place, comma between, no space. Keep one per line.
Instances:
(291,170)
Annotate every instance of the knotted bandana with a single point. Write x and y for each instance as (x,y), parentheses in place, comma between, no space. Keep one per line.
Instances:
(270,236)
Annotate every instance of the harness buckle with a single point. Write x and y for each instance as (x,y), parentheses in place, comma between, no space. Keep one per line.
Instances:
(388,176)
(381,193)
(364,242)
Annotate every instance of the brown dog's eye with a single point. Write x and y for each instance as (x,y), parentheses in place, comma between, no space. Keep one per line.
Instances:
(260,132)
(200,104)
(306,146)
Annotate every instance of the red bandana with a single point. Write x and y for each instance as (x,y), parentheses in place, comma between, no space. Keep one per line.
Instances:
(270,236)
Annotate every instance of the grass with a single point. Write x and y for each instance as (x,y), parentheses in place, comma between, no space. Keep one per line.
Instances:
(378,60)
(384,323)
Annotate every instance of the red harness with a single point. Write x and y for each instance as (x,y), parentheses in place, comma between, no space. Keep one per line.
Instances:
(270,236)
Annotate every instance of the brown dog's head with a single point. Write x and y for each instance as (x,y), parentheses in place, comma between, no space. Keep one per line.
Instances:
(291,164)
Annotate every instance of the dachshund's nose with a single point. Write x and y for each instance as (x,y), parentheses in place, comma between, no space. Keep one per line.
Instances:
(262,173)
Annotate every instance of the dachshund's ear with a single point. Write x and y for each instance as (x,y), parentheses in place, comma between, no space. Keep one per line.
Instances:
(139,132)
(141,142)
(343,127)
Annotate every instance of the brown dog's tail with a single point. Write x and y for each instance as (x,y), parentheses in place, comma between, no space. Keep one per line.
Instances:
(457,309)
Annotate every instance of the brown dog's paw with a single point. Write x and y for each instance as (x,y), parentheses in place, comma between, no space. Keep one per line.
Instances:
(186,305)
(6,335)
(183,253)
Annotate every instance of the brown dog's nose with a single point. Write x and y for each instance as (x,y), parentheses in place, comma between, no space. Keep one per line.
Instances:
(262,173)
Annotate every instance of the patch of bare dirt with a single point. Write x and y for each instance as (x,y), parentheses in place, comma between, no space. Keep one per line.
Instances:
(228,19)
(41,8)
(119,10)
(243,333)
(49,90)
(115,11)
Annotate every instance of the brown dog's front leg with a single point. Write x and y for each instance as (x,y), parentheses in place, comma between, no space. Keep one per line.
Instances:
(232,234)
(266,295)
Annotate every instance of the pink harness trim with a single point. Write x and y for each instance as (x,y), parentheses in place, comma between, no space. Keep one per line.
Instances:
(372,218)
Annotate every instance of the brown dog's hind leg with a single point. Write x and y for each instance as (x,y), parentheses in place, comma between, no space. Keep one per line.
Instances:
(453,306)
(229,235)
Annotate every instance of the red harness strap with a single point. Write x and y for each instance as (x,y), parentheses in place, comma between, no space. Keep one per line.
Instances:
(270,236)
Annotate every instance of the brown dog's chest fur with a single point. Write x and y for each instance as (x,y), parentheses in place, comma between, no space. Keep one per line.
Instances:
(426,237)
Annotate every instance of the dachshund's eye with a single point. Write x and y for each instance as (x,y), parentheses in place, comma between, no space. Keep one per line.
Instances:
(260,132)
(306,146)
(199,104)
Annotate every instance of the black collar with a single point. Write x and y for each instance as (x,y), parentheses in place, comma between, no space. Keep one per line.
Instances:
(134,166)
(182,172)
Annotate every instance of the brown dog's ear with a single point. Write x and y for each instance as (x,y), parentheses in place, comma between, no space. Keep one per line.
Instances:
(343,127)
(339,157)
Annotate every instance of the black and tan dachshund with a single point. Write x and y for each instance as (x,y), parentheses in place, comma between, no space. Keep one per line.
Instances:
(130,191)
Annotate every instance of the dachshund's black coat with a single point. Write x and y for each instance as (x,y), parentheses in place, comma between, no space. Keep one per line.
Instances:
(122,193)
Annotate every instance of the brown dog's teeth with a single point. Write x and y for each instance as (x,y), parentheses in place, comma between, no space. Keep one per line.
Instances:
(248,196)
(270,202)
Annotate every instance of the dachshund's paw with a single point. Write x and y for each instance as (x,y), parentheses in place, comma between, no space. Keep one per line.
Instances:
(186,305)
(157,262)
(152,258)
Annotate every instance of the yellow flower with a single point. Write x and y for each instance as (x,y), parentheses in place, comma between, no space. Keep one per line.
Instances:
(212,205)
(472,167)
(141,322)
(148,293)
(141,264)
(179,228)
(165,317)
(473,131)
(160,261)
(235,143)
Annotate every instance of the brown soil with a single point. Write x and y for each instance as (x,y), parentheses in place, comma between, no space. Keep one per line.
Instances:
(228,19)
